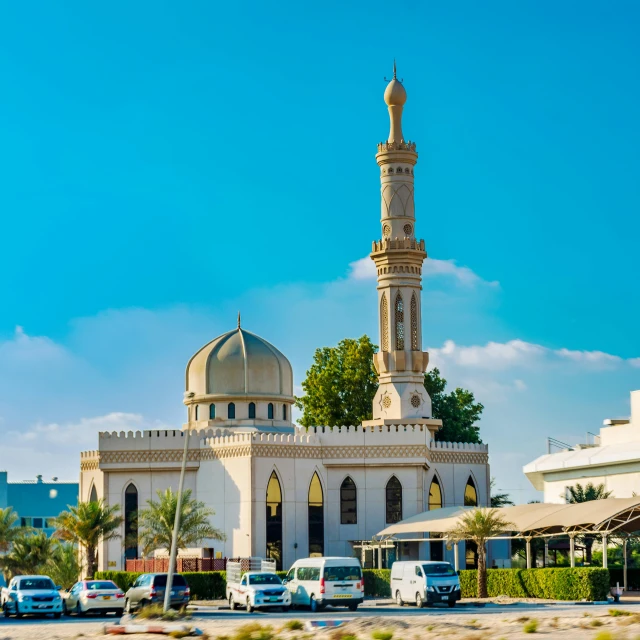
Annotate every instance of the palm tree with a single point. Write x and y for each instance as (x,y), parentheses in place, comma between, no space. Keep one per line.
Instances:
(29,554)
(63,567)
(479,525)
(499,500)
(578,494)
(156,522)
(87,525)
(8,531)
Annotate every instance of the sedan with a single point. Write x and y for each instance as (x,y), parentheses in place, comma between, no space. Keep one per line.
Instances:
(94,596)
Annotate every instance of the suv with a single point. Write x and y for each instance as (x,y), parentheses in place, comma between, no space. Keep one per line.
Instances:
(149,588)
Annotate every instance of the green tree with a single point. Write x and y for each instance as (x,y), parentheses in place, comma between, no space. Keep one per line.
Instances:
(458,410)
(578,494)
(479,525)
(29,554)
(88,524)
(340,385)
(156,522)
(499,500)
(8,529)
(63,567)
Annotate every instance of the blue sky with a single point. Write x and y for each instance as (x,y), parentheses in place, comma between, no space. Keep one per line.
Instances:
(164,165)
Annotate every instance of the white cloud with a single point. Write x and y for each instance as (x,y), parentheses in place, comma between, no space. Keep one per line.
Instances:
(365,269)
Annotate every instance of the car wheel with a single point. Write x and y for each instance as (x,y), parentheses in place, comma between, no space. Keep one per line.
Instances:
(313,604)
(57,616)
(399,600)
(127,606)
(232,603)
(249,607)
(5,610)
(65,611)
(17,611)
(419,601)
(285,609)
(79,611)
(451,604)
(119,613)
(353,606)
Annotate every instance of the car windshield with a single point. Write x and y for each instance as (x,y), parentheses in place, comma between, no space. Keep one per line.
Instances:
(161,580)
(444,569)
(264,578)
(36,583)
(336,574)
(97,586)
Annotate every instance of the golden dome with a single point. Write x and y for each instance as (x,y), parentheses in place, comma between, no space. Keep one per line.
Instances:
(395,95)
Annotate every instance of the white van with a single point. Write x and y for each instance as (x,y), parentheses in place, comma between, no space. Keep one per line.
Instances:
(424,583)
(317,582)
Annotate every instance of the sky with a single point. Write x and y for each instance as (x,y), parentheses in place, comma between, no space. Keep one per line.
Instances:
(163,165)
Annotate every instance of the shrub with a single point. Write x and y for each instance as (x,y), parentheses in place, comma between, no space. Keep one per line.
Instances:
(382,635)
(253,631)
(293,625)
(531,626)
(580,583)
(616,613)
(604,635)
(124,579)
(156,612)
(377,582)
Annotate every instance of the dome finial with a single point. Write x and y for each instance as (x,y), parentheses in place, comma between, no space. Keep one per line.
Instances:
(395,96)
(395,75)
(238,319)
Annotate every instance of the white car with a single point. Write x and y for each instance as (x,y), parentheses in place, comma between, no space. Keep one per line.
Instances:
(258,590)
(94,596)
(35,595)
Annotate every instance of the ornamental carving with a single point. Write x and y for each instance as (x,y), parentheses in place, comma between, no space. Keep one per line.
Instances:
(459,457)
(386,402)
(415,401)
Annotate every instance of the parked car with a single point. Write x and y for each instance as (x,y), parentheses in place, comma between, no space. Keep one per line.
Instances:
(425,583)
(149,588)
(261,589)
(317,582)
(31,595)
(93,596)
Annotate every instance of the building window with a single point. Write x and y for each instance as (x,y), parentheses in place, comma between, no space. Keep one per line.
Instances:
(212,412)
(49,523)
(435,494)
(252,410)
(93,495)
(348,502)
(231,411)
(414,323)
(37,523)
(197,412)
(316,518)
(284,411)
(384,322)
(399,323)
(270,411)
(26,522)
(470,494)
(394,501)
(274,520)
(131,522)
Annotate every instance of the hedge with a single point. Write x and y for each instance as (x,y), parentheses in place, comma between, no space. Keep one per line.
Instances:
(580,583)
(376,582)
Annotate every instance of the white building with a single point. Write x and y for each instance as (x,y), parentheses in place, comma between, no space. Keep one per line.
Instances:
(286,492)
(613,460)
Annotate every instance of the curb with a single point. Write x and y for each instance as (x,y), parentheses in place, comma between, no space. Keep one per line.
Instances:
(125,629)
(310,625)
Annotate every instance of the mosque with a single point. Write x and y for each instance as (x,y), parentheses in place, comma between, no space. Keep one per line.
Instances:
(286,492)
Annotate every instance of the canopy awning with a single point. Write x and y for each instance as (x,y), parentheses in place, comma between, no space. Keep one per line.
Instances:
(613,515)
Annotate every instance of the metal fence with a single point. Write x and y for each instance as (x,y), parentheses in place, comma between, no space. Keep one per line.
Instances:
(161,565)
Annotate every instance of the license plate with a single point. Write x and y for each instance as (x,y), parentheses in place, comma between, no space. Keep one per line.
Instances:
(445,597)
(106,597)
(342,595)
(275,599)
(42,606)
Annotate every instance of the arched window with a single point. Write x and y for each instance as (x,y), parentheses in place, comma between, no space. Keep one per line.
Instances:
(274,520)
(348,502)
(270,411)
(399,323)
(316,518)
(131,522)
(284,411)
(384,322)
(212,412)
(231,411)
(252,410)
(93,496)
(435,494)
(197,412)
(394,500)
(470,494)
(414,323)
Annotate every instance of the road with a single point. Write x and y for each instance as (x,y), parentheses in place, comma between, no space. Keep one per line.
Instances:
(214,619)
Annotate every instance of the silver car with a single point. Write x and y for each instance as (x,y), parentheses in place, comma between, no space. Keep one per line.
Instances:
(149,589)
(35,595)
(94,596)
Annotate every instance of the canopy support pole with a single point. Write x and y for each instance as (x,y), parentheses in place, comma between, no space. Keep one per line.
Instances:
(456,558)
(624,573)
(528,552)
(546,552)
(572,549)
(605,549)
(379,556)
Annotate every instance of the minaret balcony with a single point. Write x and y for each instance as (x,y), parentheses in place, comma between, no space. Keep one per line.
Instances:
(399,244)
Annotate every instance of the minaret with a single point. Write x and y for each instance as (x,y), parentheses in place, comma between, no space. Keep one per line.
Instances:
(400,363)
